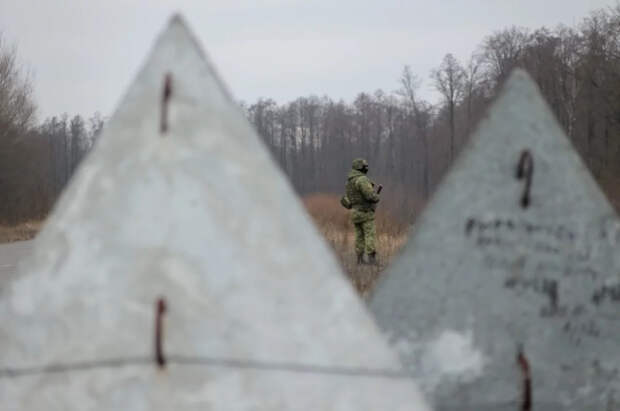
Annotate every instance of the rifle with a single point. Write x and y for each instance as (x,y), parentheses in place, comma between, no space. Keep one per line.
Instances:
(379,189)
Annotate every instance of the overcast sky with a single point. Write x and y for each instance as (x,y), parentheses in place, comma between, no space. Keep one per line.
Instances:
(83,53)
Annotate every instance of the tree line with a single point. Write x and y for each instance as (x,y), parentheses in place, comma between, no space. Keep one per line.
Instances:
(36,160)
(409,141)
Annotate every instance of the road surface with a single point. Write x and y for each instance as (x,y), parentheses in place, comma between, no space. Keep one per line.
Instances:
(11,254)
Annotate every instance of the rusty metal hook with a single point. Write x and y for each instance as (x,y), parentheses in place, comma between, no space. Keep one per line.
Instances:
(526,404)
(160,310)
(525,170)
(165,99)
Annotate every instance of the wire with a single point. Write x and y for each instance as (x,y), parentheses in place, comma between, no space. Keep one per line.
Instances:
(298,368)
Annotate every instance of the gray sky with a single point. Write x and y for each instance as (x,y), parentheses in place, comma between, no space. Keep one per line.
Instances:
(83,53)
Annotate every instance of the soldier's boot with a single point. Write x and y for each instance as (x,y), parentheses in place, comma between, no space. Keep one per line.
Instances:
(372,258)
(360,259)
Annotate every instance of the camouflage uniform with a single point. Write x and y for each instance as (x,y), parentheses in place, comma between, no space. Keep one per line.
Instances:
(363,200)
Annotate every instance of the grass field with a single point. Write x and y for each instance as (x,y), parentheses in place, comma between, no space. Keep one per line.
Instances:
(333,221)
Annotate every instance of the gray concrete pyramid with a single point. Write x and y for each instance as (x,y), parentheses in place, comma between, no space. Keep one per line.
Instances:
(512,270)
(180,200)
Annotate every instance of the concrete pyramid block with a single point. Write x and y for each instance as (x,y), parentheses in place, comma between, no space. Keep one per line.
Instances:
(180,237)
(510,281)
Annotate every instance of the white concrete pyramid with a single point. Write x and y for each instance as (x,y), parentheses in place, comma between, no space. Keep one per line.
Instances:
(485,277)
(259,316)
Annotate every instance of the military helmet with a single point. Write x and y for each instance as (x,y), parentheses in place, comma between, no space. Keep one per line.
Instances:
(359,164)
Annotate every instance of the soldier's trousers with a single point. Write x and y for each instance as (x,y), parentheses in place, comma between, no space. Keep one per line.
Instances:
(365,237)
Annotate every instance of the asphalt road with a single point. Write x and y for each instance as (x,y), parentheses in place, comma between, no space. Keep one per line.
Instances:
(10,256)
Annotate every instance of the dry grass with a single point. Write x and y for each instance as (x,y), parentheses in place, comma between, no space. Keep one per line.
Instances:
(333,221)
(20,232)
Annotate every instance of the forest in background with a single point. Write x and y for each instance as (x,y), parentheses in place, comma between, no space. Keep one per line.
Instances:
(409,142)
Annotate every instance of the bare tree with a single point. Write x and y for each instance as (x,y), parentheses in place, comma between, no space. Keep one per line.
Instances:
(419,111)
(409,85)
(449,80)
(570,83)
(17,108)
(473,87)
(502,52)
(78,141)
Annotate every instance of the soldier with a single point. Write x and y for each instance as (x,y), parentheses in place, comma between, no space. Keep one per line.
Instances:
(361,197)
